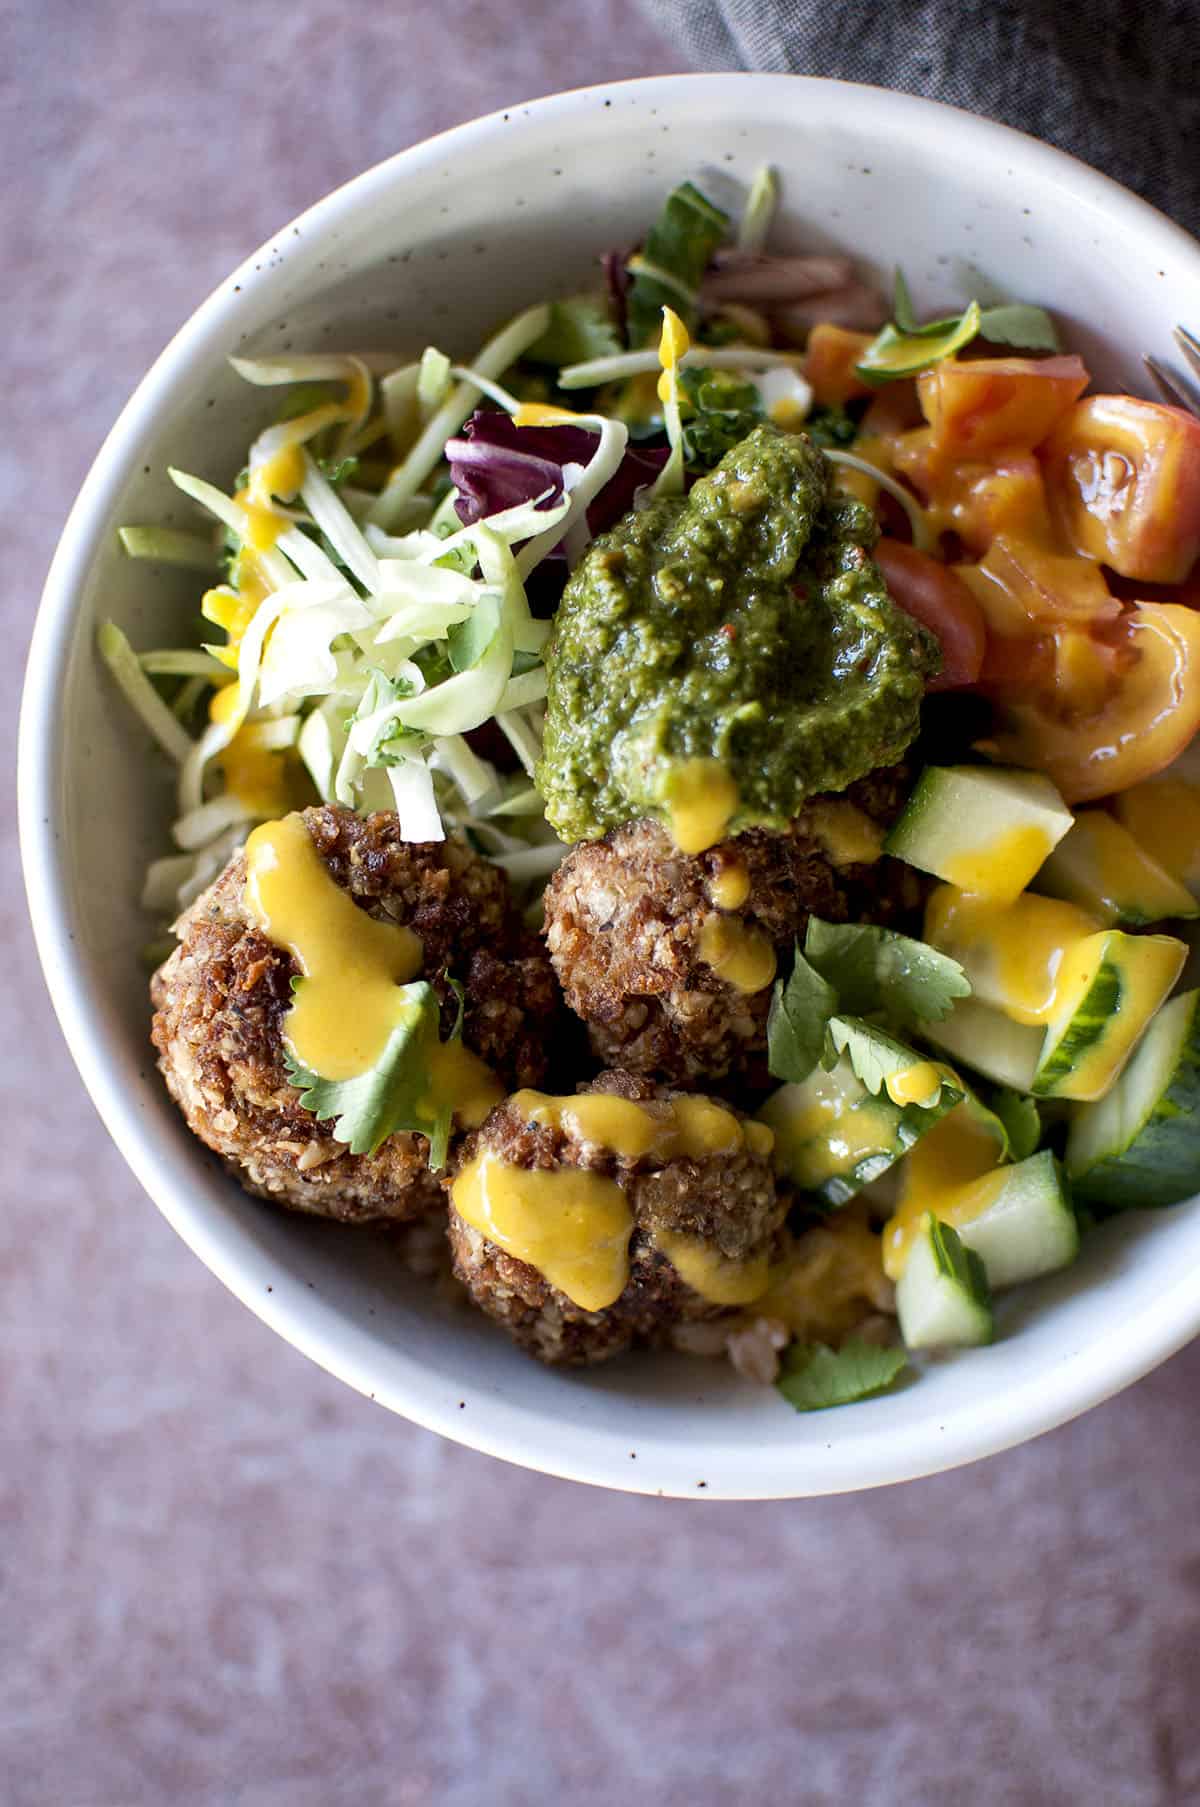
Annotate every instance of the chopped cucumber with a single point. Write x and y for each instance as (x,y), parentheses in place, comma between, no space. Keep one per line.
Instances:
(1102,868)
(989,1043)
(833,1136)
(983,828)
(1109,987)
(1163,814)
(942,1297)
(1019,1221)
(1010,952)
(1140,1145)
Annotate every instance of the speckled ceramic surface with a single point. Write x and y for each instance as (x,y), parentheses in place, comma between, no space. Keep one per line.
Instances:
(226,1579)
(445,240)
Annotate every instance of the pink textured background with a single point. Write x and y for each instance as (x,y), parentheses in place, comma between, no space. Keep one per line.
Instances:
(224,1578)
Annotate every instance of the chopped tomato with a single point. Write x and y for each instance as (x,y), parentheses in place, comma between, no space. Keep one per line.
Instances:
(1123,477)
(829,360)
(933,595)
(976,501)
(986,403)
(893,410)
(1105,732)
(1024,588)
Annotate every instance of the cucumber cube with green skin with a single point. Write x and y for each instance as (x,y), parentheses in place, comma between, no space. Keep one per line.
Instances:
(1139,1147)
(1101,867)
(833,1136)
(1027,1228)
(985,829)
(943,1299)
(977,1036)
(1109,987)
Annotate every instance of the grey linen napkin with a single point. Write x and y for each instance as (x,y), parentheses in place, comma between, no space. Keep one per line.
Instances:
(1116,82)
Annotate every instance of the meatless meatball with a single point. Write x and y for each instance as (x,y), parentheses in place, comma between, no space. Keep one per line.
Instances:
(221,997)
(721,1201)
(669,958)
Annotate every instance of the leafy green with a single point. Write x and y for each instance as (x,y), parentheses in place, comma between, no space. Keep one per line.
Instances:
(668,272)
(337,470)
(902,347)
(874,969)
(955,1261)
(801,1007)
(394,1095)
(723,409)
(1021,1119)
(831,426)
(469,640)
(874,1054)
(815,1377)
(1017,323)
(580,329)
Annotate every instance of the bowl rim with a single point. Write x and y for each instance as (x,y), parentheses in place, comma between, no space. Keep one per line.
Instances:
(528,1436)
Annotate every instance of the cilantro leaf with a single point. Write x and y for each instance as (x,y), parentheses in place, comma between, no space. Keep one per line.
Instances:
(875,1056)
(830,425)
(801,1007)
(720,409)
(1020,1118)
(580,329)
(816,1377)
(874,969)
(1019,323)
(676,254)
(395,1094)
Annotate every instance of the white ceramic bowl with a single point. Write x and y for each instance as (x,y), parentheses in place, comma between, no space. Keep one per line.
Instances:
(441,243)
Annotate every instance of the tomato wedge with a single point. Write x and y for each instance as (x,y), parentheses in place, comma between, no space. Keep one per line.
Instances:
(1022,587)
(986,403)
(1123,478)
(1131,727)
(936,597)
(829,360)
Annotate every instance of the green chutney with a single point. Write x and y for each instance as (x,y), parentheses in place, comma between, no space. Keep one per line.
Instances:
(745,625)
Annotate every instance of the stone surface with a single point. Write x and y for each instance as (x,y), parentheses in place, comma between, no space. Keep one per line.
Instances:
(226,1581)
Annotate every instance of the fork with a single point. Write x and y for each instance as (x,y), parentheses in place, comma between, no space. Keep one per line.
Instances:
(1182,391)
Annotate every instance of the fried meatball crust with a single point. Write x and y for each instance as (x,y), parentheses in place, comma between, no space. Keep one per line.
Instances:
(728,1200)
(625,918)
(220,999)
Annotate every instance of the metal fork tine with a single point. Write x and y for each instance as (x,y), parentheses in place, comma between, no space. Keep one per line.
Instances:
(1170,387)
(1189,345)
(1173,389)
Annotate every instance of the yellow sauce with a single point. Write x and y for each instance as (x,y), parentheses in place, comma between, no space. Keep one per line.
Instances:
(714,1276)
(919,1084)
(692,1129)
(349,1005)
(1014,951)
(829,1279)
(701,799)
(1163,815)
(257,776)
(846,834)
(460,1079)
(543,414)
(730,887)
(1001,868)
(740,955)
(673,344)
(952,1171)
(572,1226)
